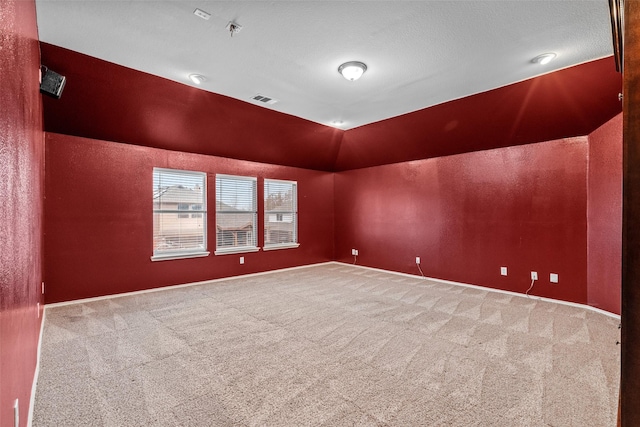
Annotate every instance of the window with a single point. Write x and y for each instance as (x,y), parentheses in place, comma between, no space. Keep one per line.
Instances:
(178,233)
(236,214)
(280,214)
(183,207)
(198,208)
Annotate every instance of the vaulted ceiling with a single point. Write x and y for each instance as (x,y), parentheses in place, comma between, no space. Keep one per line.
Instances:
(443,77)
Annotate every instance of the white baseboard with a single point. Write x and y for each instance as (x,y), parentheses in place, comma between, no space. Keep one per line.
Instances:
(34,384)
(243,276)
(484,288)
(177,286)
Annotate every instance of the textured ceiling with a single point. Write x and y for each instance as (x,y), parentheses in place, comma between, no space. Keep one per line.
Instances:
(419,53)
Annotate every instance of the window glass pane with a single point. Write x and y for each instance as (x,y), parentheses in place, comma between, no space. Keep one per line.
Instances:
(236,212)
(174,231)
(280,212)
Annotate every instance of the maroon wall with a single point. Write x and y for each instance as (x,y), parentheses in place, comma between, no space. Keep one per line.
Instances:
(106,101)
(570,102)
(604,216)
(99,226)
(467,215)
(21,191)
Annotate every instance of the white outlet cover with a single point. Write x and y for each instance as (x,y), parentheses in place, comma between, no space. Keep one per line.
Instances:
(534,275)
(356,252)
(241,260)
(417,260)
(503,271)
(553,278)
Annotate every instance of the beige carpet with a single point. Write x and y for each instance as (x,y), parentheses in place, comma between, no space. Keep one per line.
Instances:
(330,345)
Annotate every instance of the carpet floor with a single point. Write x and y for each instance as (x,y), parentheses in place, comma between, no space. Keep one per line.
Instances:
(327,345)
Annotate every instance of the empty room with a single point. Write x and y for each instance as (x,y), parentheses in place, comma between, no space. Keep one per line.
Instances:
(319,213)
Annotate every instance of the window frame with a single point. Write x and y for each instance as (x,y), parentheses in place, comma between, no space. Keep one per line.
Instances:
(294,215)
(172,254)
(227,250)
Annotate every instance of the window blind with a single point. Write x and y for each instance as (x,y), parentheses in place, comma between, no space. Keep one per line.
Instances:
(179,212)
(236,213)
(280,213)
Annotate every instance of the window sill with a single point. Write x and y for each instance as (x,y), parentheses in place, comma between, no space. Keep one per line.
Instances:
(237,250)
(281,246)
(167,257)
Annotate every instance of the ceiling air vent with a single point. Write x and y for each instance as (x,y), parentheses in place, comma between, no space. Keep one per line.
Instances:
(265,99)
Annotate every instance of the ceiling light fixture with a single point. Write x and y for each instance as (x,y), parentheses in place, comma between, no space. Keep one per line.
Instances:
(352,70)
(543,59)
(197,78)
(233,28)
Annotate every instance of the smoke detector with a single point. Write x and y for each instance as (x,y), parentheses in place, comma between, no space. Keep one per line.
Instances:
(202,14)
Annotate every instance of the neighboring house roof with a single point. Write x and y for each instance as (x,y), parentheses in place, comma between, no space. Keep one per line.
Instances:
(178,194)
(221,206)
(234,222)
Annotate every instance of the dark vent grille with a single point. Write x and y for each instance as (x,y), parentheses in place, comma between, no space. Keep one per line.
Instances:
(265,99)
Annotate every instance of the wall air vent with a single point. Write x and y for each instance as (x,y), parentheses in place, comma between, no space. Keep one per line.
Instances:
(265,99)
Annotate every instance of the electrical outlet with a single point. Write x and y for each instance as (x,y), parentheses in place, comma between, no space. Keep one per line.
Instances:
(353,252)
(42,288)
(417,260)
(534,275)
(553,278)
(241,260)
(503,271)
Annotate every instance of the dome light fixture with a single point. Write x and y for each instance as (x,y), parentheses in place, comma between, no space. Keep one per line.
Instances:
(352,70)
(197,78)
(544,59)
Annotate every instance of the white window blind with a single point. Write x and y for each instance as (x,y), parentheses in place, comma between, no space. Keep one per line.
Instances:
(280,214)
(236,214)
(179,214)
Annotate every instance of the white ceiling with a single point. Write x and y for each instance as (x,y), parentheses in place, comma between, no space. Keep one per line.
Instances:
(418,53)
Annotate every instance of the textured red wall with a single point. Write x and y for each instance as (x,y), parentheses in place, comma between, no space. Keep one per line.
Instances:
(604,216)
(467,215)
(566,103)
(106,101)
(21,191)
(98,218)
